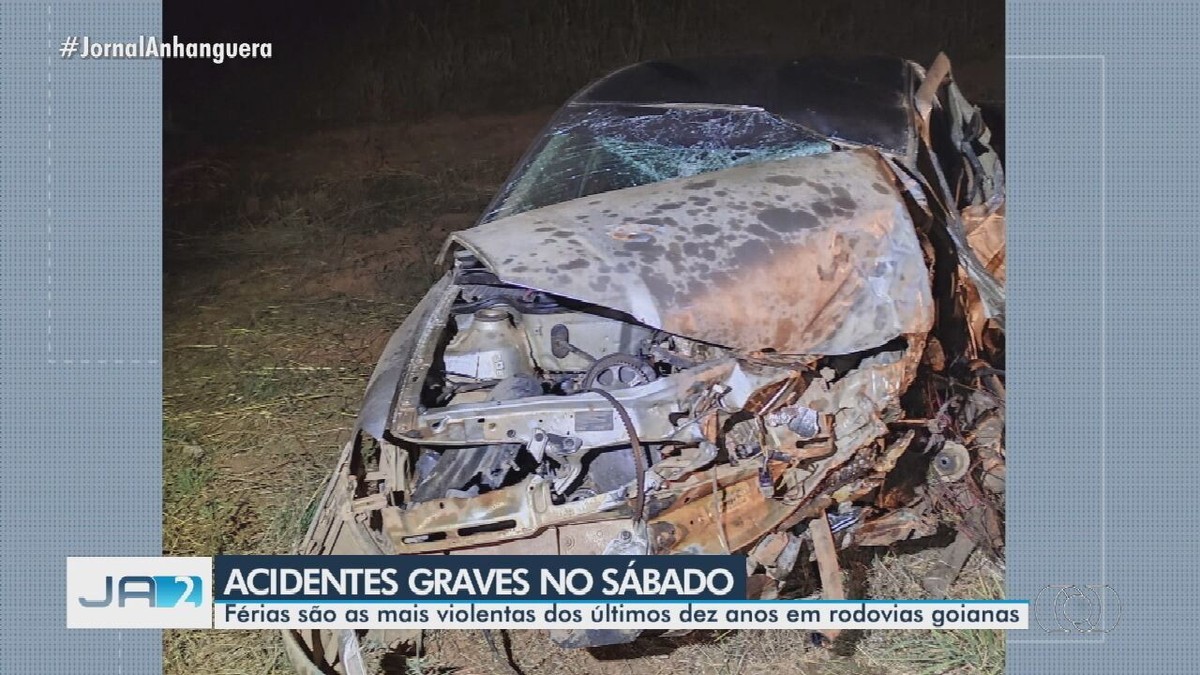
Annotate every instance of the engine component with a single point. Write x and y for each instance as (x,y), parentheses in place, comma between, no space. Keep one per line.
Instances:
(521,385)
(569,342)
(560,341)
(454,471)
(951,464)
(564,450)
(610,468)
(488,346)
(544,443)
(618,371)
(560,344)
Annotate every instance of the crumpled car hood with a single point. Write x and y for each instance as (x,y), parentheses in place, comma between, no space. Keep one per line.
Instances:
(811,255)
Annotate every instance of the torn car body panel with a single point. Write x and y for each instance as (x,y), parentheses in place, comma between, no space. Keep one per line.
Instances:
(984,226)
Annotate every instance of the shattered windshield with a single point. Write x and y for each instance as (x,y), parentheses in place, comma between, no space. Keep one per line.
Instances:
(599,149)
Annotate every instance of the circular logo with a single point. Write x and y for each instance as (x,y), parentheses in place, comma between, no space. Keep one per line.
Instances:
(1080,610)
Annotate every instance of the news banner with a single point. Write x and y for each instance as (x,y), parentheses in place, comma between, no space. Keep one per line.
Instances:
(477,592)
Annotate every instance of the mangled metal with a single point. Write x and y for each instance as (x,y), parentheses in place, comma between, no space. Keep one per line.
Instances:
(984,227)
(781,358)
(809,255)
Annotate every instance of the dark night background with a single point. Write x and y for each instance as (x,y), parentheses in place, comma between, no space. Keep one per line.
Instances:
(306,196)
(337,63)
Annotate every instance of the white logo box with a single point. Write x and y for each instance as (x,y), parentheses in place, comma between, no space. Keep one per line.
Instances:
(157,592)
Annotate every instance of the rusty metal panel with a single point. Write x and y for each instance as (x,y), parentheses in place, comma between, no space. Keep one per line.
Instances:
(694,520)
(568,539)
(545,543)
(984,225)
(590,538)
(810,255)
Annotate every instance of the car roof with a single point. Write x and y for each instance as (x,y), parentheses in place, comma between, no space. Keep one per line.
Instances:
(864,100)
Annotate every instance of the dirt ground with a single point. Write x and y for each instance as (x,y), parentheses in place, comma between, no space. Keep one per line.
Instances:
(287,266)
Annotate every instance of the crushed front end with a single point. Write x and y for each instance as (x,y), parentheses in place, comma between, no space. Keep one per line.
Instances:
(772,360)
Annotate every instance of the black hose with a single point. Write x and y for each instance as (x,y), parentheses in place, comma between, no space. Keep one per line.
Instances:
(639,456)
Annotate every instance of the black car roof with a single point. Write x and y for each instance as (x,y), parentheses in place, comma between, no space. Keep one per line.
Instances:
(863,100)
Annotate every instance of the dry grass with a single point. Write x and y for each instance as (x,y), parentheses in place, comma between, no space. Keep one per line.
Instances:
(258,401)
(281,293)
(285,277)
(930,652)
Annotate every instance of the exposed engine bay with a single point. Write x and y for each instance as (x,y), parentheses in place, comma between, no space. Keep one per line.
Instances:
(511,355)
(510,344)
(538,411)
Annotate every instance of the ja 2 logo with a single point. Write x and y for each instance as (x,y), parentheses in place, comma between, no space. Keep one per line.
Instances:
(158,591)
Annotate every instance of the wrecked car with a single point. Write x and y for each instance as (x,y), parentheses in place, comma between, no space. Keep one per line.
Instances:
(721,305)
